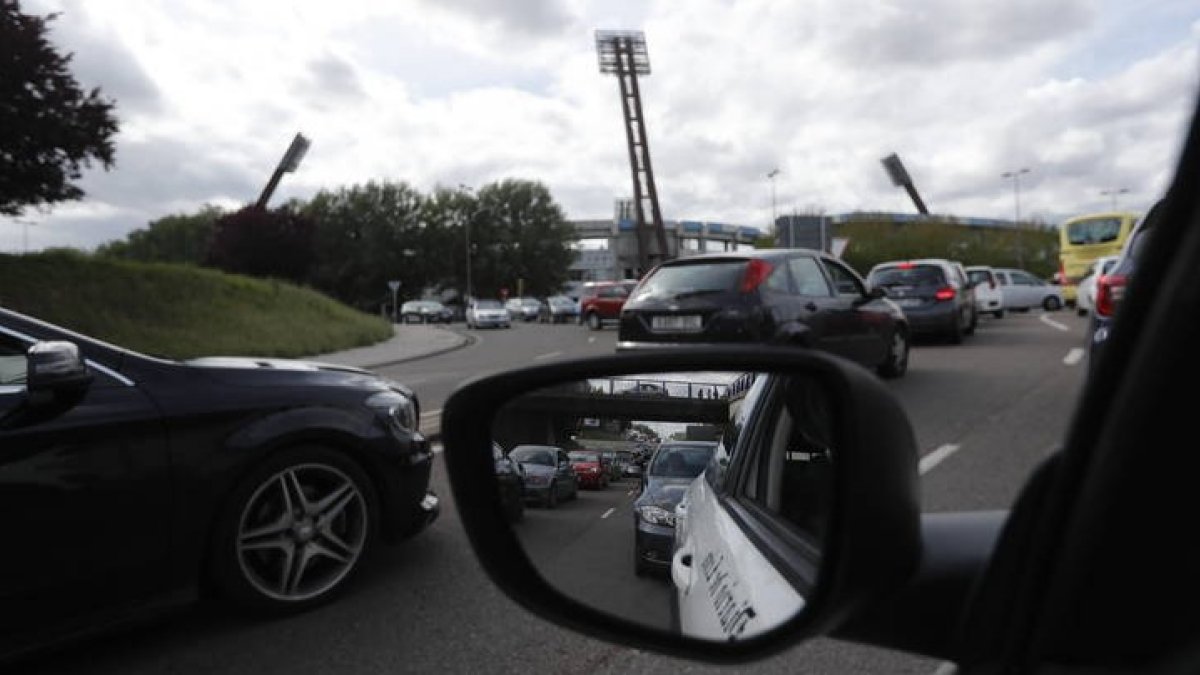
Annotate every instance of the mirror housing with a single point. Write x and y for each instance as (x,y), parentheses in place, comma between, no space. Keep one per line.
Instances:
(873,543)
(875,293)
(55,369)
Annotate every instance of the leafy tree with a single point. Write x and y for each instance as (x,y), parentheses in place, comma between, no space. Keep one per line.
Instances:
(50,129)
(178,238)
(367,235)
(518,233)
(263,243)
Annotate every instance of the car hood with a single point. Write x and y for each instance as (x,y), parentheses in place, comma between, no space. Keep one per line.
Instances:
(663,492)
(532,469)
(252,371)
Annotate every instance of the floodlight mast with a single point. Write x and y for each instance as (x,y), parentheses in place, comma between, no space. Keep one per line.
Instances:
(623,53)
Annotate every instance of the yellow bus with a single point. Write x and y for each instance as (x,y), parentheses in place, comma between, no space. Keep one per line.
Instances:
(1083,239)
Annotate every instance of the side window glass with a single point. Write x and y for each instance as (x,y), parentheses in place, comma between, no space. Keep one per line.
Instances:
(744,398)
(778,281)
(808,277)
(844,281)
(12,361)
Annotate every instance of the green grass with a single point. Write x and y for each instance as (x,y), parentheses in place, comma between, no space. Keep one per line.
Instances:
(180,311)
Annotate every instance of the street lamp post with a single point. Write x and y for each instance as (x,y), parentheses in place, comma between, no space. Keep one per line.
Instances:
(1113,193)
(1015,175)
(775,218)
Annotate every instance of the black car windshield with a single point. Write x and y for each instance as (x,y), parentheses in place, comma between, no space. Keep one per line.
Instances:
(915,275)
(584,457)
(681,461)
(533,456)
(694,278)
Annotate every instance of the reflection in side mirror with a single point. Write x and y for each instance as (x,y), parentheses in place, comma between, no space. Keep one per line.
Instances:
(55,367)
(719,535)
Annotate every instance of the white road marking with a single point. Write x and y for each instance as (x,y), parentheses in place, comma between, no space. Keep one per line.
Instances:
(934,458)
(591,339)
(946,668)
(608,513)
(432,413)
(436,448)
(1074,356)
(630,493)
(551,355)
(1053,324)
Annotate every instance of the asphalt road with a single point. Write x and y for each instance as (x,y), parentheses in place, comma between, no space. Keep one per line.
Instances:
(984,413)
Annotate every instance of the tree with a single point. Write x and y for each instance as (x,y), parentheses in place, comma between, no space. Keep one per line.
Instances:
(263,243)
(519,235)
(367,235)
(49,128)
(177,238)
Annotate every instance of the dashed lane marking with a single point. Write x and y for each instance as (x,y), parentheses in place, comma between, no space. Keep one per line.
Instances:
(550,355)
(1074,356)
(607,513)
(1054,324)
(934,458)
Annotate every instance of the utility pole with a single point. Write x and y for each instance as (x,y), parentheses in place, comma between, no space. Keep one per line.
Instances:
(774,217)
(288,164)
(1015,175)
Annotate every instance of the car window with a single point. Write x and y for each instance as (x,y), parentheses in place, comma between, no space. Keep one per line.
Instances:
(979,276)
(12,361)
(578,456)
(745,394)
(694,278)
(908,275)
(808,278)
(680,461)
(488,304)
(844,281)
(533,456)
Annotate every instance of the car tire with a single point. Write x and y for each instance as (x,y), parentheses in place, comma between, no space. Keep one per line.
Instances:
(1080,311)
(999,314)
(1051,304)
(551,496)
(310,500)
(639,567)
(896,364)
(593,321)
(516,512)
(955,336)
(974,322)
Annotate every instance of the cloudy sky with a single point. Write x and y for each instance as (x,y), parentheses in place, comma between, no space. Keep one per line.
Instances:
(1088,94)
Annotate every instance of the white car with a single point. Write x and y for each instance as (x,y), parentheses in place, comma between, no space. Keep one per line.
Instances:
(1023,291)
(725,588)
(483,313)
(1085,298)
(989,298)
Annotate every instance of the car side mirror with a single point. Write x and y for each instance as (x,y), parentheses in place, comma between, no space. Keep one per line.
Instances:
(814,518)
(875,293)
(55,370)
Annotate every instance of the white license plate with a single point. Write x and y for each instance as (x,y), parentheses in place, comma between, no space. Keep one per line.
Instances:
(682,322)
(909,302)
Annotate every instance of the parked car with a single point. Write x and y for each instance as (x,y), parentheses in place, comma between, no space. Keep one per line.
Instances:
(934,293)
(602,301)
(558,309)
(523,309)
(673,467)
(989,298)
(589,469)
(130,481)
(548,474)
(1111,287)
(1085,297)
(791,296)
(484,313)
(510,479)
(1024,291)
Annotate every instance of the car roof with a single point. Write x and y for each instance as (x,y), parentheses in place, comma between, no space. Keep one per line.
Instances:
(916,261)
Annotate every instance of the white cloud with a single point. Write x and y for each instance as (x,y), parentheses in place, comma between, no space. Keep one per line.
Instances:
(471,91)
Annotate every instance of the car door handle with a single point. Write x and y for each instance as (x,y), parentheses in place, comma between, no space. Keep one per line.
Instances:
(681,569)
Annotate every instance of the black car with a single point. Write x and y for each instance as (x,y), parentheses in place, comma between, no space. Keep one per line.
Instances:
(425,311)
(671,470)
(129,482)
(510,479)
(791,296)
(935,294)
(1110,288)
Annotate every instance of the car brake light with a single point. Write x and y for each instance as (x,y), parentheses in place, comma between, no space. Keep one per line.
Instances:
(905,266)
(1110,290)
(943,294)
(757,272)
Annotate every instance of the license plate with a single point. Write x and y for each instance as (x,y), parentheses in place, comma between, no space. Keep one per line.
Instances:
(909,302)
(681,322)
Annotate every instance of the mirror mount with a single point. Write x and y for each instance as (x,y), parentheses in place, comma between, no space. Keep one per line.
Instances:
(876,293)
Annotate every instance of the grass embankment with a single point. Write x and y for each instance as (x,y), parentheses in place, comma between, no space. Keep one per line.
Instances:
(179,311)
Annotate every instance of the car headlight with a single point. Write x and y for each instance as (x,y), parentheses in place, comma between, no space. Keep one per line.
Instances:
(656,515)
(395,407)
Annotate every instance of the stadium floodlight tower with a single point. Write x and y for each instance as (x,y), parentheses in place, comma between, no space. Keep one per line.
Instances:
(623,53)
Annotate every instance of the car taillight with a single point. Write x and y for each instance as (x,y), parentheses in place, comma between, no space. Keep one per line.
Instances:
(943,294)
(757,272)
(905,266)
(1110,290)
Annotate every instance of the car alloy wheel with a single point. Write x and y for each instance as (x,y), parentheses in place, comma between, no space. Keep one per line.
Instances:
(897,359)
(294,531)
(593,321)
(1051,304)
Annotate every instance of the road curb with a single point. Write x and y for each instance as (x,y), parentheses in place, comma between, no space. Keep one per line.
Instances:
(468,340)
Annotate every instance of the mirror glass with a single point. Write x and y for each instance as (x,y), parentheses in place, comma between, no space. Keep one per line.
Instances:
(693,502)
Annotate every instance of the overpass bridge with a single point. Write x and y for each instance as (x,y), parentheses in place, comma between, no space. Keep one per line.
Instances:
(618,259)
